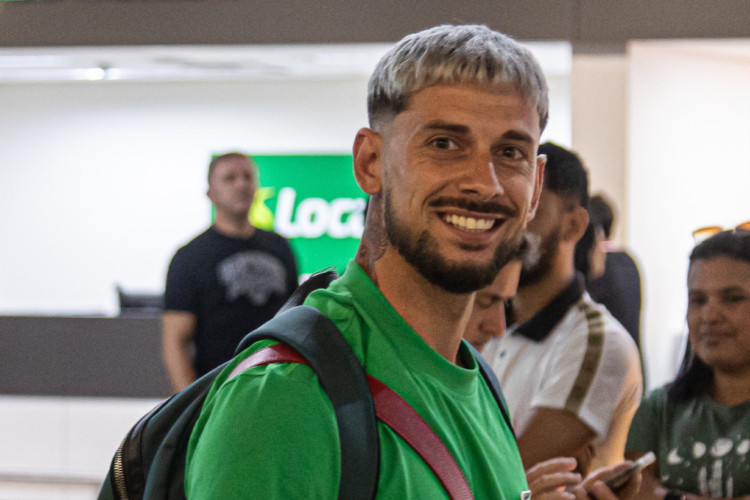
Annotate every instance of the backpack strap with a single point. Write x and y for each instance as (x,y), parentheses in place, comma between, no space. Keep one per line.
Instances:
(319,279)
(342,377)
(489,377)
(308,337)
(394,411)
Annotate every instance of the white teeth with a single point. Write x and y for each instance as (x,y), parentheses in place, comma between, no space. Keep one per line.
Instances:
(469,223)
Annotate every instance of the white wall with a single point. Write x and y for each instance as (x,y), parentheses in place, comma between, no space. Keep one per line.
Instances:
(689,166)
(599,111)
(100,182)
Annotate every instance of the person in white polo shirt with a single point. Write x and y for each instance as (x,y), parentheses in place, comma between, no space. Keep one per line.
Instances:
(569,371)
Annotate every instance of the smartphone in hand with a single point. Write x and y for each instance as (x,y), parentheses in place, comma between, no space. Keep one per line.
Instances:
(619,480)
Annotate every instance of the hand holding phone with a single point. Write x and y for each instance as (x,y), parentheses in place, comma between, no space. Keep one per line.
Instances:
(621,478)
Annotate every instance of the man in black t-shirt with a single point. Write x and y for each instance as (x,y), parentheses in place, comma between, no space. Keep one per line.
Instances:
(227,281)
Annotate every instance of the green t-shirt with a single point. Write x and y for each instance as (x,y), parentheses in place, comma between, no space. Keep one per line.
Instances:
(271,433)
(701,446)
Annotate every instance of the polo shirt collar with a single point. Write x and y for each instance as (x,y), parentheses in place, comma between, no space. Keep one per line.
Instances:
(543,322)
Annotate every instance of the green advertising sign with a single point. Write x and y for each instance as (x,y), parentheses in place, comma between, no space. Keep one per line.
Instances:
(314,202)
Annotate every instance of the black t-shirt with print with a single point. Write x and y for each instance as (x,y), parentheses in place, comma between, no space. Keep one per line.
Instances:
(232,285)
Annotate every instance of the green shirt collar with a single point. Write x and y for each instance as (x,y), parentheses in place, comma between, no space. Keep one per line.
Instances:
(380,316)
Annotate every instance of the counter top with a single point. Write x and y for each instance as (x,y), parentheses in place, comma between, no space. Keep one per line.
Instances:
(82,356)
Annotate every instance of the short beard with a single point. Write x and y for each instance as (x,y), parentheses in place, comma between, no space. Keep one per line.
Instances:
(453,277)
(543,252)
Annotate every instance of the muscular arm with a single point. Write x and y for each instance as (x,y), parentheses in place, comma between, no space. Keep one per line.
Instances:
(178,328)
(554,433)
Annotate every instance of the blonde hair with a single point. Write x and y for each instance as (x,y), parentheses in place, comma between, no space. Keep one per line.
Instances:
(453,55)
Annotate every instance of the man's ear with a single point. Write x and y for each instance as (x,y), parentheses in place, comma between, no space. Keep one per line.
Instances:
(541,161)
(367,152)
(577,220)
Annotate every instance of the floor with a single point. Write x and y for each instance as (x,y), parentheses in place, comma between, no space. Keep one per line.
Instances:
(54,448)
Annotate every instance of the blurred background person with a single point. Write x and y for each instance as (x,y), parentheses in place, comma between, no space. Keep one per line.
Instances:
(619,287)
(590,254)
(570,372)
(487,319)
(699,425)
(227,281)
(553,479)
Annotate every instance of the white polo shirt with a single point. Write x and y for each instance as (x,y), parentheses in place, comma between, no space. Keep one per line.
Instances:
(572,355)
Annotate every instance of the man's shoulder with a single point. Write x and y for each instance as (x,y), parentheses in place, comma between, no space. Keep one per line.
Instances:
(243,383)
(589,315)
(612,327)
(621,258)
(279,408)
(270,236)
(590,324)
(197,248)
(270,242)
(198,242)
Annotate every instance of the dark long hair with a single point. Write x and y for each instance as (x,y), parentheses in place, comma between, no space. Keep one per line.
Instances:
(695,377)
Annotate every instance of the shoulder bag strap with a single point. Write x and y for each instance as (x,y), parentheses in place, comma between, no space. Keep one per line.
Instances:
(493,384)
(320,343)
(395,412)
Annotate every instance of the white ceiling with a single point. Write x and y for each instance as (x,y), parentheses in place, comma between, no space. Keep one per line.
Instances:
(179,63)
(187,62)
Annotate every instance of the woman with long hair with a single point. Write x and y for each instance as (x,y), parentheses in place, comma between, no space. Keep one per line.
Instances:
(699,425)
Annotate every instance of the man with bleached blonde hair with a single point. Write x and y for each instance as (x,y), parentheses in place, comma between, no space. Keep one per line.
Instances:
(450,164)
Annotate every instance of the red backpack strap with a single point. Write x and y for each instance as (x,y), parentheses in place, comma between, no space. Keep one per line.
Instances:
(399,415)
(395,412)
(277,353)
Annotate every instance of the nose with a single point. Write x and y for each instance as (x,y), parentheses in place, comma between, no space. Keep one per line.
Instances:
(246,183)
(494,324)
(480,179)
(711,311)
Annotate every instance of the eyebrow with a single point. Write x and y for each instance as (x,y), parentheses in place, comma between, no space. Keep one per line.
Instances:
(442,125)
(518,136)
(725,289)
(446,126)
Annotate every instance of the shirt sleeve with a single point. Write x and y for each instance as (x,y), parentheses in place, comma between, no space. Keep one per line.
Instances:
(589,378)
(268,433)
(180,293)
(643,434)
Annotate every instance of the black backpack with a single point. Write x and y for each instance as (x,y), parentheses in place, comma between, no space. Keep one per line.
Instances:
(150,462)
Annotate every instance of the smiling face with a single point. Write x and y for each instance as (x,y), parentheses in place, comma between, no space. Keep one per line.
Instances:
(718,314)
(460,177)
(488,315)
